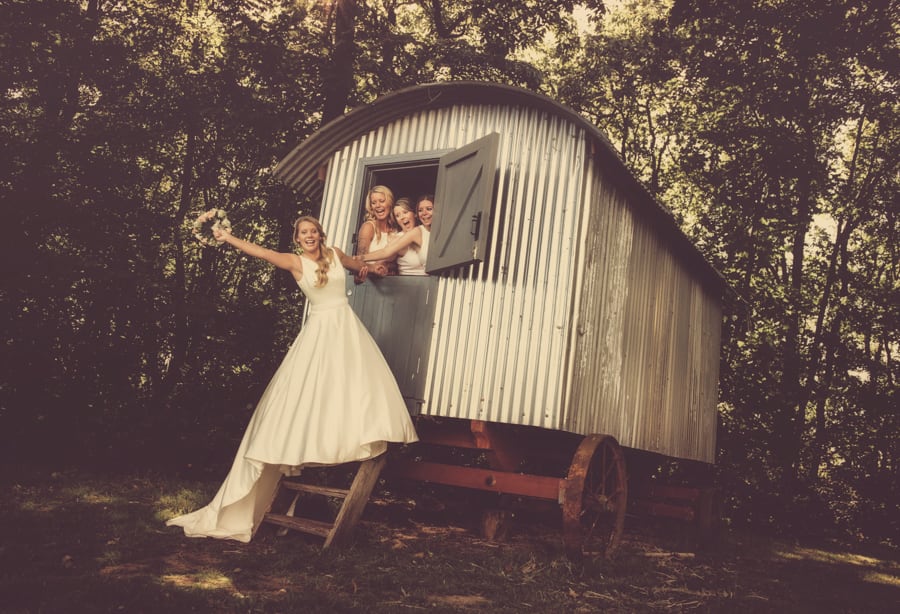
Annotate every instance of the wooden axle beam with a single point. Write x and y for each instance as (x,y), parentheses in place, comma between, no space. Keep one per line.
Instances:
(536,486)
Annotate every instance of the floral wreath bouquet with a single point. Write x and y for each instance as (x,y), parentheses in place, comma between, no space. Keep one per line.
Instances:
(206,222)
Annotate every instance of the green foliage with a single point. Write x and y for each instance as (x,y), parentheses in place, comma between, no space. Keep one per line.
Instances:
(127,122)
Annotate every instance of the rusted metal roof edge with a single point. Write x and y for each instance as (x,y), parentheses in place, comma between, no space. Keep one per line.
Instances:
(299,169)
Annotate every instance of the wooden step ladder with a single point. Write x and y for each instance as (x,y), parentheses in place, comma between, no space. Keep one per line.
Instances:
(354,501)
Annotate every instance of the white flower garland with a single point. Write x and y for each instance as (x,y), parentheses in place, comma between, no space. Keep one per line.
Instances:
(206,222)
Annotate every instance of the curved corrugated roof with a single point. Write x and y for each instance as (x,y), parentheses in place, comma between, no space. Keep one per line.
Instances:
(300,168)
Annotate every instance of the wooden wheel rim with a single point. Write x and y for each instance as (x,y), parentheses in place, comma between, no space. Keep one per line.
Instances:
(595,497)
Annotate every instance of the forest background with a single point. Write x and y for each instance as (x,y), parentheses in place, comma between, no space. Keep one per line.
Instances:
(767,127)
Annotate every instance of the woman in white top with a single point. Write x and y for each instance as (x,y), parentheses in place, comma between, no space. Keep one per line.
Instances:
(415,239)
(379,228)
(410,259)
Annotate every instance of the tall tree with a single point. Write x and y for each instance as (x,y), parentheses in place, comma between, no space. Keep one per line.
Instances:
(338,81)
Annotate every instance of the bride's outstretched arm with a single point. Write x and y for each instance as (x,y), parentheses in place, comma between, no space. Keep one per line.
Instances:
(283,260)
(353,264)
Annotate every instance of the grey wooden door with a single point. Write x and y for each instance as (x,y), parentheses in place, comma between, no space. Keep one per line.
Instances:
(399,313)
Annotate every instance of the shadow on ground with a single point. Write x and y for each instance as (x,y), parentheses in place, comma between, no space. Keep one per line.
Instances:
(75,542)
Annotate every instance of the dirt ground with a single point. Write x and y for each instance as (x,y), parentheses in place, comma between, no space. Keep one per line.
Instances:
(93,544)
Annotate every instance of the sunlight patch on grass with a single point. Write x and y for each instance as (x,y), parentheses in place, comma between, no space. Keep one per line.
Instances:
(86,494)
(459,601)
(33,501)
(206,580)
(824,556)
(39,506)
(94,498)
(183,501)
(887,579)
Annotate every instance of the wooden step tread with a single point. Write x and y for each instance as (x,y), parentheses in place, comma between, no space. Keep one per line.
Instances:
(340,493)
(306,525)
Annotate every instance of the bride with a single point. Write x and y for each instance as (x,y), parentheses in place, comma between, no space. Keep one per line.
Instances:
(333,400)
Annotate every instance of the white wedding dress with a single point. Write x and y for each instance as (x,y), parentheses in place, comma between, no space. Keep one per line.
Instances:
(333,400)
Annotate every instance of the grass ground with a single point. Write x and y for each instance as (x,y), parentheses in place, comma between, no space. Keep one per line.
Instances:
(73,542)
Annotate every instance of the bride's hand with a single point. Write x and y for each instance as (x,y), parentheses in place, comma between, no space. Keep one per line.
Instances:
(219,233)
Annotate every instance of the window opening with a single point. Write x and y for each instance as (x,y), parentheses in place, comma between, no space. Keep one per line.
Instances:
(463,183)
(409,179)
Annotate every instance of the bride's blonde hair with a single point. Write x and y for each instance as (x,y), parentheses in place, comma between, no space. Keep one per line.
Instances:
(324,260)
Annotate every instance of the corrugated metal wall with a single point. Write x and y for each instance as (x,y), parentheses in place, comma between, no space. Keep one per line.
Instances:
(581,319)
(647,356)
(500,345)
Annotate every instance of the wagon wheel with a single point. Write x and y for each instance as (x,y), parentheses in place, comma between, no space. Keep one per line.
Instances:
(596,492)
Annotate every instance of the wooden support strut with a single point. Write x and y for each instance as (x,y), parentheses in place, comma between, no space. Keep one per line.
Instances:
(354,502)
(539,487)
(502,455)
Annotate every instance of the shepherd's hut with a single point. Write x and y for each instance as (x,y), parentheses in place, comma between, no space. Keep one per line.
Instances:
(563,298)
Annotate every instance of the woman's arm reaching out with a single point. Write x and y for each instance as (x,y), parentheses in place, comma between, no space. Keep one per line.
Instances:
(352,264)
(283,260)
(393,248)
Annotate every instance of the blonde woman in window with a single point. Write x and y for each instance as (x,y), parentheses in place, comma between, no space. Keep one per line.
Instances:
(379,228)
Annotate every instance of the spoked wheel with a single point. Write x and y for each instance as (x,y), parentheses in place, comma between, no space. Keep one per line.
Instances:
(596,492)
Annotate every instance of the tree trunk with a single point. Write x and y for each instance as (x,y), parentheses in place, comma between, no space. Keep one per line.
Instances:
(792,408)
(180,330)
(338,81)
